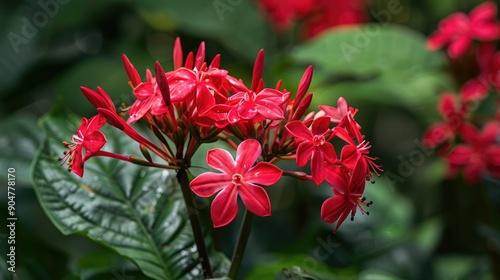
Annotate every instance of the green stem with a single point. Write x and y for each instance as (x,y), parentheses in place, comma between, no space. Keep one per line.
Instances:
(194,219)
(241,244)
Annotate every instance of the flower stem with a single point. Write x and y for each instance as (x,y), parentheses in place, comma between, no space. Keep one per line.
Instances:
(194,219)
(241,244)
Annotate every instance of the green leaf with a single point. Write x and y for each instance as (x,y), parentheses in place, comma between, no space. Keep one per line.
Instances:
(388,65)
(370,48)
(19,141)
(4,272)
(136,211)
(290,266)
(296,272)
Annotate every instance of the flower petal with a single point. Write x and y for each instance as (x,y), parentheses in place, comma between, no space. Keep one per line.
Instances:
(299,130)
(255,199)
(246,110)
(317,167)
(474,90)
(320,125)
(486,32)
(454,23)
(269,110)
(224,207)
(144,90)
(221,160)
(459,46)
(328,151)
(470,134)
(77,164)
(437,40)
(181,90)
(209,183)
(94,141)
(484,12)
(333,207)
(490,133)
(437,134)
(263,173)
(246,155)
(304,153)
(204,99)
(337,177)
(269,95)
(349,156)
(358,176)
(96,122)
(460,155)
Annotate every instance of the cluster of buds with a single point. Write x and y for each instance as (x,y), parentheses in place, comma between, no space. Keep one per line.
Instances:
(197,103)
(467,138)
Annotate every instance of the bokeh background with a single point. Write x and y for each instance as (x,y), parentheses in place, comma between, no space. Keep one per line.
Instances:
(421,226)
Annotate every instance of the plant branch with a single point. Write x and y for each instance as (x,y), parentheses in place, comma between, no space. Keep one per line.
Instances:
(194,219)
(241,244)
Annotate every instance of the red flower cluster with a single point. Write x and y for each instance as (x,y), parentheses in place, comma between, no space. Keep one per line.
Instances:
(477,152)
(316,15)
(198,103)
(458,30)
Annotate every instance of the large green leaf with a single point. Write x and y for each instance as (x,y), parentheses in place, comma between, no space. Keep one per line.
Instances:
(387,65)
(136,211)
(19,141)
(370,48)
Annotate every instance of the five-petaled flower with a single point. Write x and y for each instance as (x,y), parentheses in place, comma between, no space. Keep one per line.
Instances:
(87,140)
(479,156)
(348,190)
(458,30)
(238,176)
(454,113)
(254,106)
(313,145)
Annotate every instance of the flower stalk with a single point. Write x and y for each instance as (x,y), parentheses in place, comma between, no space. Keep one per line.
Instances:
(241,244)
(194,220)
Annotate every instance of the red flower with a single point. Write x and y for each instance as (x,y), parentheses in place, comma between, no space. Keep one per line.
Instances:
(487,61)
(454,113)
(352,153)
(187,85)
(238,177)
(317,15)
(313,145)
(348,192)
(254,106)
(206,85)
(87,140)
(458,30)
(479,156)
(332,13)
(284,13)
(343,115)
(149,100)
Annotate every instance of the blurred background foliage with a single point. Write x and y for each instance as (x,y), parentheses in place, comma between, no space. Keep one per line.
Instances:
(421,226)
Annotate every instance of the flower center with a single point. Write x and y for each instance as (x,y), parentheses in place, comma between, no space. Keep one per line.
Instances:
(237,178)
(318,140)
